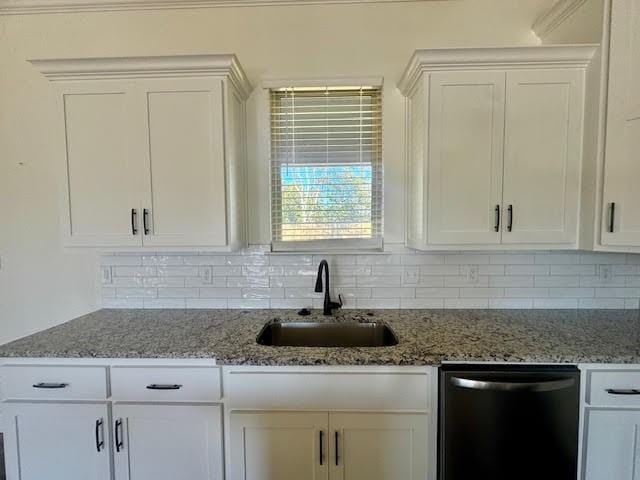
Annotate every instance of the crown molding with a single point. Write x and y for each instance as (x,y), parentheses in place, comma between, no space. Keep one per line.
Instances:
(335,81)
(554,17)
(551,56)
(17,7)
(69,69)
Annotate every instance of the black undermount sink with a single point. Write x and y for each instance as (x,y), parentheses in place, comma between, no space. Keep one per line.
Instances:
(327,334)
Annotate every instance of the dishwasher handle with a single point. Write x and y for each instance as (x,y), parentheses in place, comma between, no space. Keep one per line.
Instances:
(544,386)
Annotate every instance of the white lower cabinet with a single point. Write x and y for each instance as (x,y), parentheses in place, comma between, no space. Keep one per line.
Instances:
(279,446)
(612,448)
(378,446)
(52,441)
(167,442)
(345,446)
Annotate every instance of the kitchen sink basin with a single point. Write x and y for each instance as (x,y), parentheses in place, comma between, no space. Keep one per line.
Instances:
(327,334)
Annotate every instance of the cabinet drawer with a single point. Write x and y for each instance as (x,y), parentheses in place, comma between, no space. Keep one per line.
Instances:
(315,389)
(623,383)
(166,384)
(39,382)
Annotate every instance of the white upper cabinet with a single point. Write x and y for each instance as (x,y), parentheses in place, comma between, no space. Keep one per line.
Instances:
(621,196)
(155,157)
(543,138)
(466,117)
(102,194)
(495,146)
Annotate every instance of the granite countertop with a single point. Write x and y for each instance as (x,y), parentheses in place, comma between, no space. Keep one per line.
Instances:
(426,337)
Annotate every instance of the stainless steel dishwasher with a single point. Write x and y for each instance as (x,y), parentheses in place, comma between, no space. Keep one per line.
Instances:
(508,422)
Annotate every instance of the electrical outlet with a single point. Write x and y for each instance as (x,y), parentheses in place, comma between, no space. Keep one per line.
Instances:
(206,274)
(411,275)
(605,273)
(472,274)
(106,275)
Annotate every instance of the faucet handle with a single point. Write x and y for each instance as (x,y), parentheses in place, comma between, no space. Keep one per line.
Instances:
(337,304)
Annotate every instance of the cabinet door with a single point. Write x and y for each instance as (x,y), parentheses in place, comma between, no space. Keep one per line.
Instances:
(57,441)
(187,178)
(622,156)
(167,442)
(543,145)
(466,126)
(613,443)
(279,446)
(102,172)
(378,446)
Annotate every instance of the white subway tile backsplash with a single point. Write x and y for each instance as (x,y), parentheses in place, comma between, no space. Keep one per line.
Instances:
(618,292)
(378,303)
(263,292)
(481,292)
(439,269)
(248,303)
(562,292)
(466,303)
(207,303)
(609,303)
(510,303)
(379,281)
(470,259)
(241,282)
(170,292)
(416,303)
(164,303)
(178,271)
(161,260)
(527,269)
(135,292)
(204,260)
(558,281)
(437,292)
(220,292)
(511,281)
(378,259)
(573,269)
(400,292)
(125,271)
(512,259)
(257,278)
(555,303)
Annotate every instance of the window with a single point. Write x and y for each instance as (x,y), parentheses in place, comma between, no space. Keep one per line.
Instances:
(326,167)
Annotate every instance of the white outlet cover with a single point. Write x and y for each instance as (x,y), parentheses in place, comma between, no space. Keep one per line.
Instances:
(411,275)
(472,274)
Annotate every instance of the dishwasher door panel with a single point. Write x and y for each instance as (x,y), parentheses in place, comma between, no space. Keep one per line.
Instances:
(508,423)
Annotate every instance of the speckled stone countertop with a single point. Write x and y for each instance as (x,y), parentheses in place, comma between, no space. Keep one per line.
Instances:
(426,337)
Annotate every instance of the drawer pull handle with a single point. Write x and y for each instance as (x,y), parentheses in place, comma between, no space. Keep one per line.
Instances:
(118,432)
(50,385)
(157,386)
(321,447)
(99,437)
(336,445)
(623,391)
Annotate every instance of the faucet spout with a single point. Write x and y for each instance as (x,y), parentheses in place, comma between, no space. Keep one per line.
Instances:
(328,305)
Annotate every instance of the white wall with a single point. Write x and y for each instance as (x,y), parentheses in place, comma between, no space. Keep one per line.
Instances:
(40,284)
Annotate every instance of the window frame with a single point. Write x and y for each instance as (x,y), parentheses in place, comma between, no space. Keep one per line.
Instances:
(337,244)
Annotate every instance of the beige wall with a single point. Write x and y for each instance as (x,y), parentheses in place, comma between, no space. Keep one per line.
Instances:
(40,284)
(584,26)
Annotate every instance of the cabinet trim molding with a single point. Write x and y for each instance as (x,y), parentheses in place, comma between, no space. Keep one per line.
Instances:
(552,56)
(25,7)
(172,66)
(555,16)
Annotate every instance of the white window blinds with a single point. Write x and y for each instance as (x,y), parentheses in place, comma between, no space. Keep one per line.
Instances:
(326,167)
